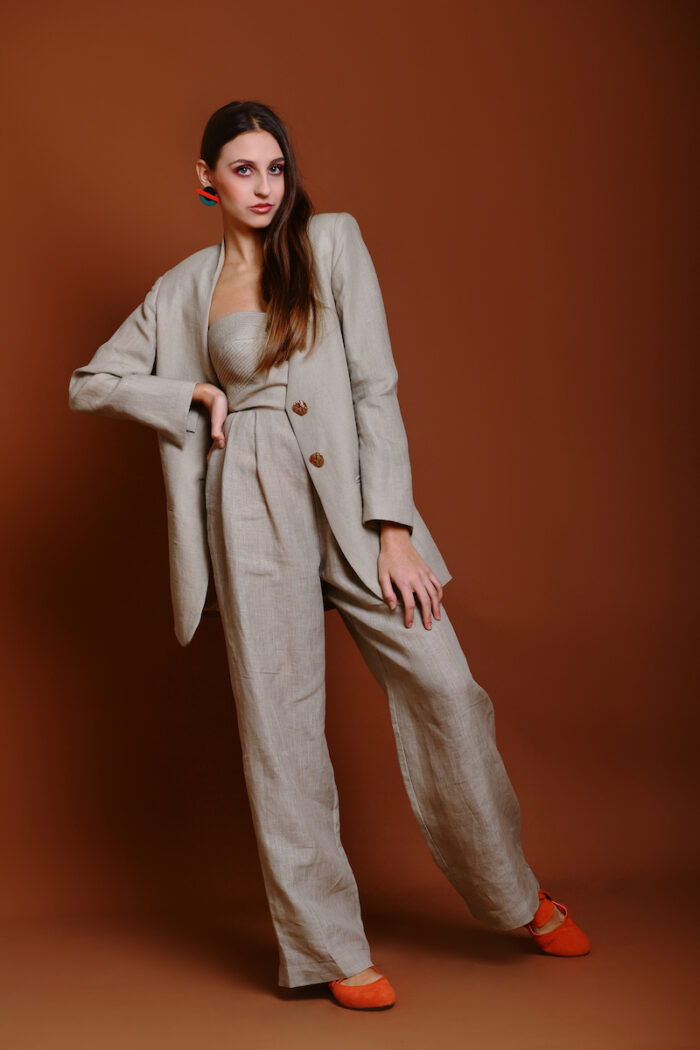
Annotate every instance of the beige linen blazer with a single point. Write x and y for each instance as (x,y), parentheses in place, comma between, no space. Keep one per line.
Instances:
(148,369)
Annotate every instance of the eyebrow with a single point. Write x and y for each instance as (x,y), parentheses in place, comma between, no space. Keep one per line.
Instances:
(242,160)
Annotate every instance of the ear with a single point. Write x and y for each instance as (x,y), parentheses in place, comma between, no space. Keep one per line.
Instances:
(202,171)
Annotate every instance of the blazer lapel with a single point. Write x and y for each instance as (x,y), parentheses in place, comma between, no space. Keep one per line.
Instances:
(204,293)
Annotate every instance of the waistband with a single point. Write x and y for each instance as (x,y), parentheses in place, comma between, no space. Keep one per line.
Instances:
(273,396)
(247,408)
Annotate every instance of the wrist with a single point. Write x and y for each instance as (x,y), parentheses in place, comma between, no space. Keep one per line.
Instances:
(391,532)
(205,393)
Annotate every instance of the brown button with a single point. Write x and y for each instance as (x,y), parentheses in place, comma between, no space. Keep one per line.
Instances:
(317,459)
(300,407)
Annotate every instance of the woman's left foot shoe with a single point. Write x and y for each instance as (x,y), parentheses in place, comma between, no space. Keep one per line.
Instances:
(566,939)
(375,995)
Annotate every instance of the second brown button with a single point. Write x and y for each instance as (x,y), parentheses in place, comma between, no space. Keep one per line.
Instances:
(300,407)
(317,459)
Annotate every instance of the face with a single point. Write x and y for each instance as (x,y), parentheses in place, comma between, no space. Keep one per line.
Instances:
(248,173)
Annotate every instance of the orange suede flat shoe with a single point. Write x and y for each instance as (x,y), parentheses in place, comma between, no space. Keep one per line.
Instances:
(566,939)
(377,995)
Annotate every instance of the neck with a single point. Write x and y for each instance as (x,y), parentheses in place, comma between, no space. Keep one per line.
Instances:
(243,246)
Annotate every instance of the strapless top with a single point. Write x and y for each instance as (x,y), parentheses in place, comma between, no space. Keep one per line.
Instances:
(235,341)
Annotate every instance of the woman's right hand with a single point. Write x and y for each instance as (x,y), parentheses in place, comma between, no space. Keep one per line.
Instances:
(215,400)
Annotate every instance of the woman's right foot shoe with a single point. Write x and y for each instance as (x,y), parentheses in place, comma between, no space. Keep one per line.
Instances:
(566,938)
(375,995)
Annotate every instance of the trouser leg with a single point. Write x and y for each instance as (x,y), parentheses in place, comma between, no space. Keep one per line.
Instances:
(444,728)
(311,889)
(265,557)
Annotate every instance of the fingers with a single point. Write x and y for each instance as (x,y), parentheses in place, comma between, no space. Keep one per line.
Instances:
(219,414)
(426,601)
(408,604)
(387,589)
(435,588)
(214,445)
(428,591)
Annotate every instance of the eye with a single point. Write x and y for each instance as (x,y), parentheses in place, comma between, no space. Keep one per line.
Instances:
(280,166)
(240,168)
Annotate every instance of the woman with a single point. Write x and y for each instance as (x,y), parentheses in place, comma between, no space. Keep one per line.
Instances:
(265,365)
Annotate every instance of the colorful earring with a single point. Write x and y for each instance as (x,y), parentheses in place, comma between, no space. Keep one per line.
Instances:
(208,196)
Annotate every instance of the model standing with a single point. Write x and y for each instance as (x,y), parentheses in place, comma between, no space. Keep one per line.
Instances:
(264,363)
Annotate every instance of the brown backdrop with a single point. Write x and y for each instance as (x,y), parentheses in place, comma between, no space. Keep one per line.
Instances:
(523,176)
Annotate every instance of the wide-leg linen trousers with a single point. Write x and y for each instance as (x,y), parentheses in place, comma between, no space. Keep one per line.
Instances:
(274,558)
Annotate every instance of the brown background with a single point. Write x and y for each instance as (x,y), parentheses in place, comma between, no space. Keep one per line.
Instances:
(525,178)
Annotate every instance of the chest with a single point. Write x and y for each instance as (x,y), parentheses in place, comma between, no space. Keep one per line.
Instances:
(237,289)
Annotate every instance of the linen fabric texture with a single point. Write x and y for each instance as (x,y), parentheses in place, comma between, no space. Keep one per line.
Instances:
(277,540)
(148,369)
(276,564)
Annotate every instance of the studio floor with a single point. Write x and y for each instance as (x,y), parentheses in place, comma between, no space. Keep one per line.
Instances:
(210,981)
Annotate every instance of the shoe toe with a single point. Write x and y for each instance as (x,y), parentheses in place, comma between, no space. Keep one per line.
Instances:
(567,939)
(376,995)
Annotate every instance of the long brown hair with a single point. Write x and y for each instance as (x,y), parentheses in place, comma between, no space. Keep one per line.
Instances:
(288,285)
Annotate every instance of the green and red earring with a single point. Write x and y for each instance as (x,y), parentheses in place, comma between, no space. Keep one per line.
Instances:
(208,196)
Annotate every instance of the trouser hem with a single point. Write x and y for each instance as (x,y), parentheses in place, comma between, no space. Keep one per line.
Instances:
(296,978)
(513,918)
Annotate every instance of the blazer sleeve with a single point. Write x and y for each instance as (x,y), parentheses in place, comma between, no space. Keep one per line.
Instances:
(119,380)
(385,468)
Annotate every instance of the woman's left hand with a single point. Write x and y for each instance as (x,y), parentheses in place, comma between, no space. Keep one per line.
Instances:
(399,562)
